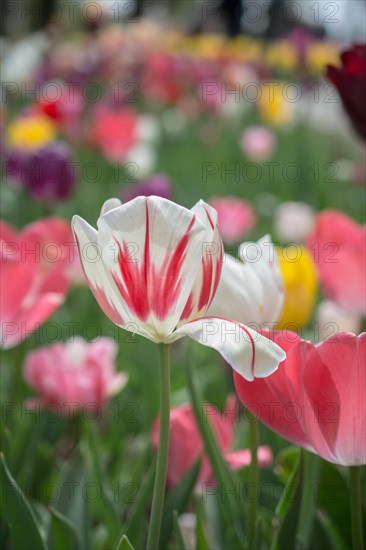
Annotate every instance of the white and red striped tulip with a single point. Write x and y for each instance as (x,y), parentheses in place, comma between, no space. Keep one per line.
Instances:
(154,267)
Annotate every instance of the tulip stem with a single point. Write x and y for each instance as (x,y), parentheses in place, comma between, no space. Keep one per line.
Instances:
(163,450)
(253,477)
(356,507)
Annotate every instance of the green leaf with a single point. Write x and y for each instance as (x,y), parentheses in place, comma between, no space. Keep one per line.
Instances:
(24,532)
(177,500)
(178,533)
(134,529)
(72,502)
(63,532)
(310,476)
(284,502)
(233,512)
(106,507)
(123,544)
(335,538)
(200,530)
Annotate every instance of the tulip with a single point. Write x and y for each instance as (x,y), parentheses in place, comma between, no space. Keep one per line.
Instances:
(350,81)
(258,143)
(30,132)
(236,217)
(115,132)
(50,173)
(186,444)
(74,374)
(338,246)
(317,397)
(300,281)
(33,276)
(158,185)
(317,400)
(154,268)
(250,291)
(274,108)
(293,221)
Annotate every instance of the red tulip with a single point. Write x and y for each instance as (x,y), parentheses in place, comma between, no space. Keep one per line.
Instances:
(338,245)
(33,276)
(317,397)
(186,444)
(350,80)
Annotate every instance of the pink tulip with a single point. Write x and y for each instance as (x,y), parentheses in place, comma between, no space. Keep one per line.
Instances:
(74,374)
(258,143)
(154,268)
(186,444)
(317,397)
(338,245)
(33,276)
(236,217)
(115,132)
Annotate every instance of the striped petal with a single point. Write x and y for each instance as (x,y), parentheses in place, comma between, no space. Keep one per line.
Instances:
(247,352)
(150,249)
(100,281)
(208,276)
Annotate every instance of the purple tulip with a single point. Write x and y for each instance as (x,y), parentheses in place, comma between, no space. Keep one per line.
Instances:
(15,162)
(158,185)
(50,172)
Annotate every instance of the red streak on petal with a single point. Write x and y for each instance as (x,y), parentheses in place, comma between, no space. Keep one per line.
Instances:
(252,342)
(144,288)
(210,220)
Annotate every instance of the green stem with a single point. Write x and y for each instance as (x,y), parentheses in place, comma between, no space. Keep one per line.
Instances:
(162,458)
(253,477)
(356,507)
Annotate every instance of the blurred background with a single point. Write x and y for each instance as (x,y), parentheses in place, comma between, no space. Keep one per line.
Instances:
(223,100)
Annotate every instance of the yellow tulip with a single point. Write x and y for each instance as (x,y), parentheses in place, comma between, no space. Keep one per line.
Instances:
(300,280)
(31,132)
(273,106)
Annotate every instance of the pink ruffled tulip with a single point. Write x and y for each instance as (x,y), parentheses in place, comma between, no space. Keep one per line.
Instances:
(74,374)
(338,245)
(236,217)
(34,281)
(154,268)
(186,444)
(258,143)
(317,397)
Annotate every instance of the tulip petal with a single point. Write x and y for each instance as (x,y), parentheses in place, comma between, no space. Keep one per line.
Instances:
(249,353)
(339,391)
(109,205)
(251,292)
(208,276)
(151,247)
(100,280)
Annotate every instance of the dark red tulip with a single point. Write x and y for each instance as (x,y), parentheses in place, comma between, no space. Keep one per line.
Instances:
(350,81)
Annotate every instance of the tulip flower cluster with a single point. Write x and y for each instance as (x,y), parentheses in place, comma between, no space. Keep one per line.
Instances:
(179,376)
